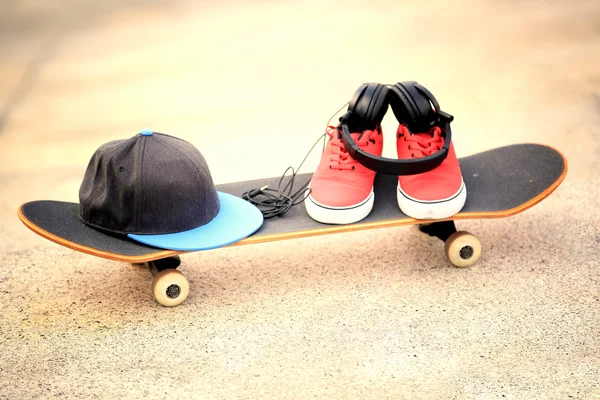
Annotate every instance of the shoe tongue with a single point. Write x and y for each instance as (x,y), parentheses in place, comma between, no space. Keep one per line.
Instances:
(433,133)
(426,149)
(423,135)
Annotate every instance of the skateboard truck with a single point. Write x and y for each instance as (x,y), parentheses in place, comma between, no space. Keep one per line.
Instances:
(441,230)
(398,166)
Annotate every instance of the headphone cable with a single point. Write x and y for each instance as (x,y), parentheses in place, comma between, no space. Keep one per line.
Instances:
(276,202)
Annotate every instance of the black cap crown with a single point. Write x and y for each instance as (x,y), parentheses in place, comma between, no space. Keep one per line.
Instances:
(149,184)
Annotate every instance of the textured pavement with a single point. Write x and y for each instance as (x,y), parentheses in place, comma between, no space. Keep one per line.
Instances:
(369,315)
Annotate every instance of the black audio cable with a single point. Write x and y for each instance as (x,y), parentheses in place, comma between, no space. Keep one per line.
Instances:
(275,202)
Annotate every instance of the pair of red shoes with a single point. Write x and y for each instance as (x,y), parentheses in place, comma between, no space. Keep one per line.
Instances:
(341,189)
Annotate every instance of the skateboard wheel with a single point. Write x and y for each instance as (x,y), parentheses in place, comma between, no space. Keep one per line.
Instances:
(170,288)
(462,249)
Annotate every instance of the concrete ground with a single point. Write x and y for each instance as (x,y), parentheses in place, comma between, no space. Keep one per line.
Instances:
(370,315)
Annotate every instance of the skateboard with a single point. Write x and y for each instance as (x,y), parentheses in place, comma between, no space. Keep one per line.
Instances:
(500,183)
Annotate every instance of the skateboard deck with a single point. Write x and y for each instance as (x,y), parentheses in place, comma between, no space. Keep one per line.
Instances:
(500,182)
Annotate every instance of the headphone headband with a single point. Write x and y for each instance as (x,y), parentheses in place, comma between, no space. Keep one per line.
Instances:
(413,105)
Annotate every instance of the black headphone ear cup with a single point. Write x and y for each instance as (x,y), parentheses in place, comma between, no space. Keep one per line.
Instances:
(367,106)
(430,97)
(402,106)
(356,96)
(413,107)
(426,115)
(378,105)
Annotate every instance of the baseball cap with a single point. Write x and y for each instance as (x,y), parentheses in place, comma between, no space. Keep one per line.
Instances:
(157,189)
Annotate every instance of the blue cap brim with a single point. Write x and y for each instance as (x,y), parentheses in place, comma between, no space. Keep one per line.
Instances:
(236,220)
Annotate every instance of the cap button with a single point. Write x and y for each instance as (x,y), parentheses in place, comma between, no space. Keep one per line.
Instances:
(146,132)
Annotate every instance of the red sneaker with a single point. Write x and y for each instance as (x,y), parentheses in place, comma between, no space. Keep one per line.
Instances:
(341,189)
(436,194)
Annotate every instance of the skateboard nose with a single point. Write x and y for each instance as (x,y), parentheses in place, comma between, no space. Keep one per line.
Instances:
(146,132)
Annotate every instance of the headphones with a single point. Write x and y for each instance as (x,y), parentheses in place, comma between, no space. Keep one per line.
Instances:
(413,105)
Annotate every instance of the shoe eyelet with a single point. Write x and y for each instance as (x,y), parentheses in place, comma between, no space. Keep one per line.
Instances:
(412,155)
(353,167)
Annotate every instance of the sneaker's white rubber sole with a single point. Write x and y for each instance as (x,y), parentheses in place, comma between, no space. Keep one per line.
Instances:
(339,215)
(437,209)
